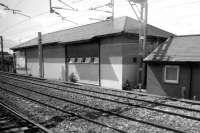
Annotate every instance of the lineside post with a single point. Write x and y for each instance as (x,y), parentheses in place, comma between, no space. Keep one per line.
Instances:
(40,55)
(2,54)
(14,62)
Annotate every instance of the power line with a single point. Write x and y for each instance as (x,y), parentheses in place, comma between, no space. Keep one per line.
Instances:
(52,10)
(99,8)
(21,22)
(5,6)
(72,8)
(14,11)
(61,8)
(64,18)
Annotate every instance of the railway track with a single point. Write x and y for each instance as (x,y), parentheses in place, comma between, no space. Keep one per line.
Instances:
(73,89)
(14,122)
(112,100)
(49,84)
(78,86)
(98,89)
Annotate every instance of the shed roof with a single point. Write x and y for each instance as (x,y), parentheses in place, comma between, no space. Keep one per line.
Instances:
(177,49)
(89,31)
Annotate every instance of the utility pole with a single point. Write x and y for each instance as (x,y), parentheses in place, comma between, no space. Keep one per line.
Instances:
(40,55)
(2,54)
(142,18)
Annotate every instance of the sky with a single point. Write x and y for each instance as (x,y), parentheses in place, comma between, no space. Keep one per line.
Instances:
(180,17)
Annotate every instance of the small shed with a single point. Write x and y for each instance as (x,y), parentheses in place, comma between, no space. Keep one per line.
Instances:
(173,68)
(103,53)
(7,62)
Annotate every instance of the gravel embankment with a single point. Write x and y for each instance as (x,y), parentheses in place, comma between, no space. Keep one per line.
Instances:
(63,123)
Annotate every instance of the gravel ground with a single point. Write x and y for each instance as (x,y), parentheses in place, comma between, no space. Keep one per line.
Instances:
(63,123)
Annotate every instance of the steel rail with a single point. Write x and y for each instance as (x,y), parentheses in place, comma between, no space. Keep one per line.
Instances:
(116,95)
(105,111)
(125,103)
(109,89)
(20,116)
(63,111)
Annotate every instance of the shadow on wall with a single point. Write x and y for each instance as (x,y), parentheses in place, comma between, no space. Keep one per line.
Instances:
(129,71)
(111,71)
(156,85)
(87,73)
(110,68)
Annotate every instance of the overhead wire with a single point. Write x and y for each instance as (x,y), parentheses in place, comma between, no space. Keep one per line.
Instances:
(72,8)
(98,8)
(5,6)
(62,8)
(21,22)
(52,10)
(14,11)
(64,18)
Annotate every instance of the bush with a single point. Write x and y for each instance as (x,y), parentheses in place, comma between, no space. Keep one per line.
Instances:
(73,78)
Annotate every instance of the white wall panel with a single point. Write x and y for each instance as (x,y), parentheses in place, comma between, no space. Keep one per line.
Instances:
(54,62)
(20,62)
(32,61)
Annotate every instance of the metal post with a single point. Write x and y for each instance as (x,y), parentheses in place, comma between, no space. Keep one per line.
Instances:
(99,47)
(112,3)
(40,54)
(14,62)
(145,26)
(142,42)
(2,54)
(50,6)
(145,42)
(25,55)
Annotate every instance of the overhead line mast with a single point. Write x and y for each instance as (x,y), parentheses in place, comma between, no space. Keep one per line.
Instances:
(142,18)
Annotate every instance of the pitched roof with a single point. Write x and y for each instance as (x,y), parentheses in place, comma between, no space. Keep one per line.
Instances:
(177,49)
(89,31)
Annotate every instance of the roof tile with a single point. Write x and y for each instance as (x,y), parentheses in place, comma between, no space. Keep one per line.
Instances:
(89,31)
(177,49)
